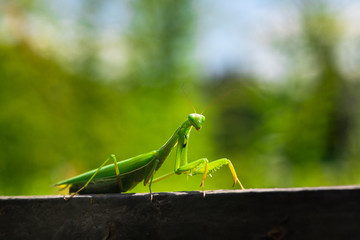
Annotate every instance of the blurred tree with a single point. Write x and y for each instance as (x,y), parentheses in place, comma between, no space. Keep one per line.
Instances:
(16,24)
(160,39)
(240,117)
(322,121)
(88,38)
(283,133)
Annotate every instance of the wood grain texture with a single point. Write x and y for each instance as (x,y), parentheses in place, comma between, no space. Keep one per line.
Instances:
(298,213)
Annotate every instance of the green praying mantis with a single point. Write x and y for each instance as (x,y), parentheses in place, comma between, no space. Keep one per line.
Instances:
(122,176)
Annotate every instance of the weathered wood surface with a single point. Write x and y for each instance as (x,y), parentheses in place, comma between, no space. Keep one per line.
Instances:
(300,213)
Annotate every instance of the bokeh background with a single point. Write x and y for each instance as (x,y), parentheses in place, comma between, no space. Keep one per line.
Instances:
(80,80)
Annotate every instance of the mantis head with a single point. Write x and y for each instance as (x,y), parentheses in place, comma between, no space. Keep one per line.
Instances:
(196,120)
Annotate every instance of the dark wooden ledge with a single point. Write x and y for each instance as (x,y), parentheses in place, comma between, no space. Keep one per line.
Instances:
(297,213)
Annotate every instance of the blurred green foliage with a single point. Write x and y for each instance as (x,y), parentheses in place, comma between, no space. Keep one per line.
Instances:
(56,123)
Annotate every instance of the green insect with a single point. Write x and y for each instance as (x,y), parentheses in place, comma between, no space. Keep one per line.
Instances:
(124,175)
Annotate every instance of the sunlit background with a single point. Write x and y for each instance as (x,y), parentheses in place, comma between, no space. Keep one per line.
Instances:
(80,80)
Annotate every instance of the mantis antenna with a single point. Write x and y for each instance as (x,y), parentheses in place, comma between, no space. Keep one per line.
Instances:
(217,99)
(187,97)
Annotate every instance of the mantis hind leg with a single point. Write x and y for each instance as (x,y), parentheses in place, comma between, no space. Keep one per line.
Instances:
(203,166)
(215,165)
(111,157)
